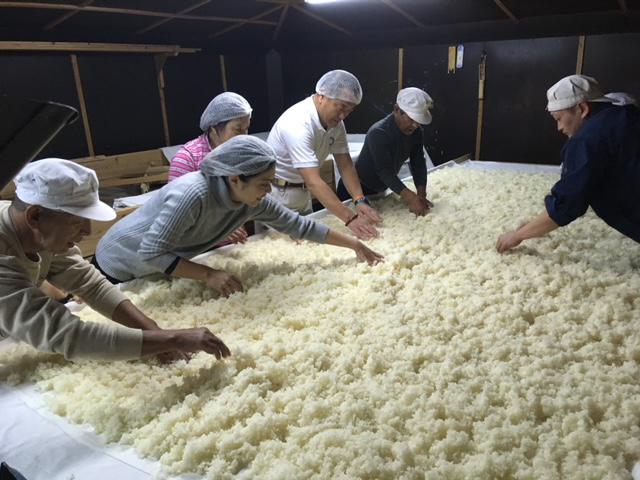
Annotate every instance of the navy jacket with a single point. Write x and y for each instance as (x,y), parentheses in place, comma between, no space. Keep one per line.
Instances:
(384,151)
(601,169)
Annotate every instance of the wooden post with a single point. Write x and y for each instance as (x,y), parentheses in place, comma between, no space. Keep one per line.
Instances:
(581,46)
(83,106)
(223,73)
(159,62)
(481,78)
(400,68)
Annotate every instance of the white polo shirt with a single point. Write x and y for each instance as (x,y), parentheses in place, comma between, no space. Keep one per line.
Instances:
(300,140)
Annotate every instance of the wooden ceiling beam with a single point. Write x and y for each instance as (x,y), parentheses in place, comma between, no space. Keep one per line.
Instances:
(320,19)
(411,18)
(244,22)
(165,20)
(506,11)
(300,6)
(66,16)
(93,47)
(130,11)
(283,14)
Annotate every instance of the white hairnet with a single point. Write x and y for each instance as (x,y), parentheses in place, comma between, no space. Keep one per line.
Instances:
(224,107)
(622,99)
(241,155)
(341,85)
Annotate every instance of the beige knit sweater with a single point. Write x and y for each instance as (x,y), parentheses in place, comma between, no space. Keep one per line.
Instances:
(28,315)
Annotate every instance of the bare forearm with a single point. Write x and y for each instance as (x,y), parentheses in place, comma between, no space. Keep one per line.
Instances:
(158,341)
(538,227)
(329,200)
(349,175)
(340,240)
(188,269)
(127,314)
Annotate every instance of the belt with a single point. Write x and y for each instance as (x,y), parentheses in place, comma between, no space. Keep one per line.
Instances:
(278,182)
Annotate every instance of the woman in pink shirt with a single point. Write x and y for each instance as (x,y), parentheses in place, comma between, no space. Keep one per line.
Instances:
(226,116)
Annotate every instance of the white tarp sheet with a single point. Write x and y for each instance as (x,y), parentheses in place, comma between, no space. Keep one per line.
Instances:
(44,446)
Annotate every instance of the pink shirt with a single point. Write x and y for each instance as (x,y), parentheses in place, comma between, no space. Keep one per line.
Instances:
(189,157)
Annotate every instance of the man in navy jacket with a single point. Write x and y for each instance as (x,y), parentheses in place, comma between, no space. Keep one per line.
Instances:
(600,163)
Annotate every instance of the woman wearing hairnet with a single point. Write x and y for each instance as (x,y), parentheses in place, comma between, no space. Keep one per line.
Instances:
(226,116)
(192,213)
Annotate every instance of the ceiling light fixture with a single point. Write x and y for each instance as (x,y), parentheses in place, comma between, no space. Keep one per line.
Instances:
(318,2)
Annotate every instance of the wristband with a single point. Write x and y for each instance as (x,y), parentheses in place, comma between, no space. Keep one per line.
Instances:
(346,224)
(361,200)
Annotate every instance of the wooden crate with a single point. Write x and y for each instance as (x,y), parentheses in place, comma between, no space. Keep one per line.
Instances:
(98,229)
(137,168)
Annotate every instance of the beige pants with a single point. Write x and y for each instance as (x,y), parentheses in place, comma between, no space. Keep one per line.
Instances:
(295,198)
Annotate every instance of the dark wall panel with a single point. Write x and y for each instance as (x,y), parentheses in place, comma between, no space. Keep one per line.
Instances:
(191,81)
(247,75)
(517,127)
(46,77)
(300,73)
(377,71)
(123,102)
(614,61)
(453,130)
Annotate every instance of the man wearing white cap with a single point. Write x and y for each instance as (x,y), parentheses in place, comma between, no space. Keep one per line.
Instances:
(600,162)
(389,142)
(304,136)
(55,201)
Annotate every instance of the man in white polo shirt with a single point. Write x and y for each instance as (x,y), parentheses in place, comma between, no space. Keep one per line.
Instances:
(304,136)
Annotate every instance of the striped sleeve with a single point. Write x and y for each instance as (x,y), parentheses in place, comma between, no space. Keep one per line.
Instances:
(182,163)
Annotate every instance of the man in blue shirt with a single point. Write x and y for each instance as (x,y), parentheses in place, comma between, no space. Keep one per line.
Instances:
(600,163)
(389,142)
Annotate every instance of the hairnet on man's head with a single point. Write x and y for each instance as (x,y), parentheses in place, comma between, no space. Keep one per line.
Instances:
(241,155)
(222,108)
(340,85)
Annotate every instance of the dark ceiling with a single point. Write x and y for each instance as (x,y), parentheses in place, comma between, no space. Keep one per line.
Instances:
(220,25)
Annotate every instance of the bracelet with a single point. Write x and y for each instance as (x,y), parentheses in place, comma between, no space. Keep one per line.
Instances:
(346,224)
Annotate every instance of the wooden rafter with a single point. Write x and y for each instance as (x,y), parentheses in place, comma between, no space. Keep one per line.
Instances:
(165,20)
(283,14)
(299,5)
(66,16)
(506,10)
(395,7)
(623,6)
(94,47)
(580,60)
(320,19)
(81,102)
(130,11)
(244,22)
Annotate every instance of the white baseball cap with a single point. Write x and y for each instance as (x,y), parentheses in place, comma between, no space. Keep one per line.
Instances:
(62,185)
(572,90)
(416,104)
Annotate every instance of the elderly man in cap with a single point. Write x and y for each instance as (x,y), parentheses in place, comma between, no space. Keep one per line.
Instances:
(304,136)
(389,142)
(55,201)
(600,163)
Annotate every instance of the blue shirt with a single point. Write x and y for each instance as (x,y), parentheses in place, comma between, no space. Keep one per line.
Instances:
(601,169)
